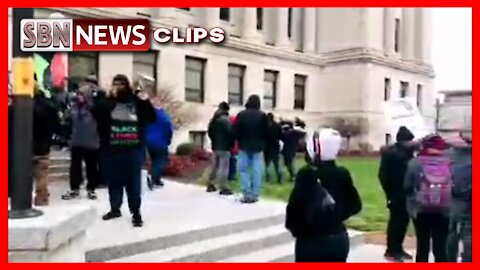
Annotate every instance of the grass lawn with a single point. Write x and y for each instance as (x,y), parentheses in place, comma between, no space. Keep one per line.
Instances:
(364,172)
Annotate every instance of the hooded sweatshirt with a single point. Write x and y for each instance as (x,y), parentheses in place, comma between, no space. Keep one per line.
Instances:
(159,134)
(220,131)
(251,128)
(393,167)
(304,219)
(84,125)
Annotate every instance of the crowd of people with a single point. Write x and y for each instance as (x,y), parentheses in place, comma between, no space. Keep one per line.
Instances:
(251,141)
(427,181)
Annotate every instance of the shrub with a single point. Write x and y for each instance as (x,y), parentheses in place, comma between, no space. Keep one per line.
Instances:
(201,154)
(177,165)
(186,149)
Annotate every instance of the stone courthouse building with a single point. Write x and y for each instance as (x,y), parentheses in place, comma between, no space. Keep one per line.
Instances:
(315,63)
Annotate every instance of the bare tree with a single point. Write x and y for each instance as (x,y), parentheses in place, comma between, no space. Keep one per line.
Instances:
(349,127)
(180,113)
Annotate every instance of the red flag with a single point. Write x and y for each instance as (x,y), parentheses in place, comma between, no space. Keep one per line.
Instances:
(57,69)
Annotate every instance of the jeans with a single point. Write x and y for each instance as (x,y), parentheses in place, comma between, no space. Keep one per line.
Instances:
(289,163)
(124,172)
(432,227)
(273,157)
(460,230)
(221,168)
(90,156)
(328,248)
(397,226)
(251,183)
(159,159)
(232,172)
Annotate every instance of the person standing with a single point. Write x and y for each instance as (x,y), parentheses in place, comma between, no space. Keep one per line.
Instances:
(461,213)
(251,131)
(122,118)
(232,172)
(323,198)
(272,148)
(45,120)
(291,136)
(428,186)
(158,139)
(393,166)
(220,133)
(85,144)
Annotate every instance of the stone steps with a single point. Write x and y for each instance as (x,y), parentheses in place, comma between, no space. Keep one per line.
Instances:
(258,240)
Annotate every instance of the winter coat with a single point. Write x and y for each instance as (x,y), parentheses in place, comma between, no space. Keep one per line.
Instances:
(220,131)
(159,134)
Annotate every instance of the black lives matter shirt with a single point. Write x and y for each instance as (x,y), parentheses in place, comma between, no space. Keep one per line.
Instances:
(124,132)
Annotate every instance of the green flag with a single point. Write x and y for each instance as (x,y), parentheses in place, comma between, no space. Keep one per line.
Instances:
(41,66)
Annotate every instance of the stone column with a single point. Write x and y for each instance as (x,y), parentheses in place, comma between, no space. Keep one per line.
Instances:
(309,37)
(318,37)
(425,25)
(281,28)
(389,31)
(408,33)
(249,26)
(211,17)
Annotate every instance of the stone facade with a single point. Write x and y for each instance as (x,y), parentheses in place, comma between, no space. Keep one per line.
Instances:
(344,54)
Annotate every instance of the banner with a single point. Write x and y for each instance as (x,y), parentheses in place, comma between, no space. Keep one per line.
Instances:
(404,112)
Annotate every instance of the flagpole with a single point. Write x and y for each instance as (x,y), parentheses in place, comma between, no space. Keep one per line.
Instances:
(21,141)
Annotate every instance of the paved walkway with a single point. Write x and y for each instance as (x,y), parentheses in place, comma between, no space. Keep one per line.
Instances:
(183,223)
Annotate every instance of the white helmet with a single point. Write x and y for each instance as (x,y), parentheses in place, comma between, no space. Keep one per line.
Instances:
(324,144)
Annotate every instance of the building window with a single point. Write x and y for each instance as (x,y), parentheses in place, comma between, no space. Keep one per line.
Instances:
(225,14)
(403,89)
(270,88)
(186,9)
(300,82)
(198,138)
(419,96)
(388,139)
(145,64)
(259,18)
(80,65)
(387,89)
(397,35)
(236,74)
(290,25)
(194,79)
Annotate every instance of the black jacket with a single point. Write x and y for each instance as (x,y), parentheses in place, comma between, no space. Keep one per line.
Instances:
(220,131)
(291,138)
(251,128)
(274,136)
(393,167)
(304,199)
(103,107)
(45,121)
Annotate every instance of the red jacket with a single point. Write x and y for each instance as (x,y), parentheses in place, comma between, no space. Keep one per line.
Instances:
(235,150)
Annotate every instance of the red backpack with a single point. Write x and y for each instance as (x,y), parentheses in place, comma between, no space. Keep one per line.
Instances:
(434,189)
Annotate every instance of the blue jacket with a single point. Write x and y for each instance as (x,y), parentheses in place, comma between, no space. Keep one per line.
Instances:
(159,134)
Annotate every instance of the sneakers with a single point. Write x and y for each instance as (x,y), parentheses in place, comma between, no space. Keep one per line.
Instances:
(92,195)
(393,257)
(112,215)
(226,192)
(70,195)
(40,201)
(248,200)
(211,188)
(137,220)
(406,256)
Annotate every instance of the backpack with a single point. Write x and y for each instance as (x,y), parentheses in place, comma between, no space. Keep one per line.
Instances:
(462,181)
(434,189)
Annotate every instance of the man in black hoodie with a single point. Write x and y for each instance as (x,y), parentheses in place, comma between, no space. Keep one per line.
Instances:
(45,119)
(251,131)
(121,119)
(220,133)
(272,148)
(393,167)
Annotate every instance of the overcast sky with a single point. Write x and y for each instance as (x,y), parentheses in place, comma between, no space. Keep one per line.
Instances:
(452,48)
